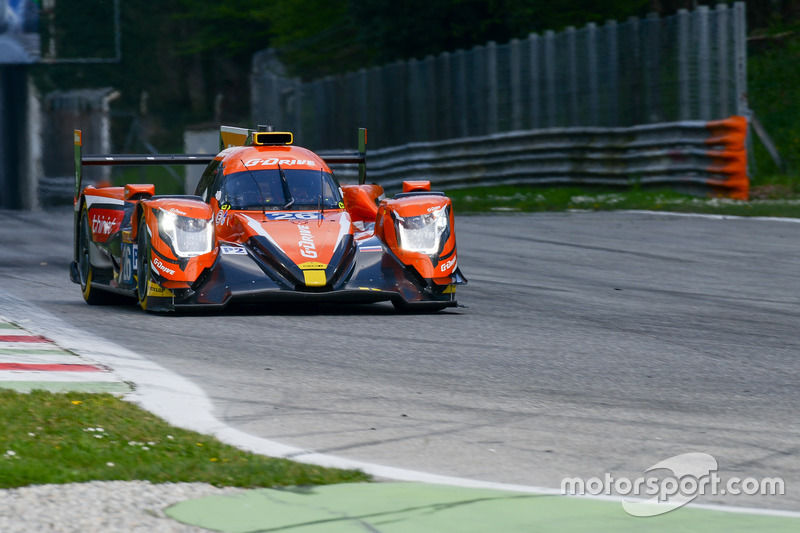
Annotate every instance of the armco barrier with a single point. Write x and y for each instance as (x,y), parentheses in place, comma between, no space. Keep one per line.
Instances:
(705,157)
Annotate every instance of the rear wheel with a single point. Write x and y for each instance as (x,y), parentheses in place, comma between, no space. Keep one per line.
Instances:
(91,293)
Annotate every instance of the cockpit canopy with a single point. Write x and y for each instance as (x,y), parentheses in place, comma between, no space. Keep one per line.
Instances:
(271,189)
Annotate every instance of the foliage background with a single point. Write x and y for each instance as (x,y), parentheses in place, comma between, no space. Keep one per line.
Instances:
(187,62)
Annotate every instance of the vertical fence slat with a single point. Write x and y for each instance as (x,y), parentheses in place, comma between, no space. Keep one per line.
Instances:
(684,27)
(516,84)
(491,87)
(703,62)
(593,85)
(535,81)
(611,81)
(550,77)
(721,24)
(460,85)
(572,76)
(740,53)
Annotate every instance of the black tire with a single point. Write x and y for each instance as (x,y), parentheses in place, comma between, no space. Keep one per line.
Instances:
(91,293)
(143,264)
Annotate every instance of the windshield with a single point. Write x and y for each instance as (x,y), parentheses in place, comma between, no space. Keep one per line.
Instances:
(240,191)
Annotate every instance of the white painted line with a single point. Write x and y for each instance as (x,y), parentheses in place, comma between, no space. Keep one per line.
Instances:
(16,332)
(182,403)
(33,346)
(71,377)
(708,216)
(55,358)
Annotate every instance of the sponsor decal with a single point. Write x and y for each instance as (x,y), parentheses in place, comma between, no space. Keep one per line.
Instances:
(376,248)
(306,242)
(312,266)
(157,290)
(447,265)
(162,267)
(232,250)
(293,216)
(130,256)
(177,211)
(222,214)
(272,161)
(105,222)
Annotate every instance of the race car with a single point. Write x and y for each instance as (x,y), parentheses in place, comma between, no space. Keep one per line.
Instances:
(268,223)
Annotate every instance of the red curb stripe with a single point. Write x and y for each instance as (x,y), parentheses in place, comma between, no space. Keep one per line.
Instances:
(22,338)
(51,368)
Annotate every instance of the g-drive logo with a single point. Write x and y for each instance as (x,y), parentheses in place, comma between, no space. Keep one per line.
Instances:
(693,474)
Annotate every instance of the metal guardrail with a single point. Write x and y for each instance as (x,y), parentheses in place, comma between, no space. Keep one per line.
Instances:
(698,156)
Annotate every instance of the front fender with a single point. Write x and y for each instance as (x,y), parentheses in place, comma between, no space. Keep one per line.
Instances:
(437,263)
(171,266)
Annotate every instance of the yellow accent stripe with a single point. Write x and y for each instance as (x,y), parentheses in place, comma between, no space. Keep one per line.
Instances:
(315,278)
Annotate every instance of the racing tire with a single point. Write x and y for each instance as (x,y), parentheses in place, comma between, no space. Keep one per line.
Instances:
(91,293)
(143,264)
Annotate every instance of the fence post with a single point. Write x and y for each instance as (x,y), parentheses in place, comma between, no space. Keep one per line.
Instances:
(297,91)
(703,62)
(740,51)
(413,98)
(721,23)
(652,69)
(375,115)
(363,95)
(684,26)
(550,77)
(430,99)
(491,87)
(572,73)
(591,59)
(534,80)
(444,129)
(516,85)
(460,93)
(611,82)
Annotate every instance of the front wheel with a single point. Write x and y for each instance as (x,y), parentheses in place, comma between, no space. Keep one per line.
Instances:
(143,264)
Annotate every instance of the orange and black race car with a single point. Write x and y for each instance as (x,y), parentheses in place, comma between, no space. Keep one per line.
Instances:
(268,222)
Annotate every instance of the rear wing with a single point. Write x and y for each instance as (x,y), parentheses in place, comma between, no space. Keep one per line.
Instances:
(229,136)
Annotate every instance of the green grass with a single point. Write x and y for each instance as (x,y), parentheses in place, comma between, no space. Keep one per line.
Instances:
(78,437)
(166,182)
(779,203)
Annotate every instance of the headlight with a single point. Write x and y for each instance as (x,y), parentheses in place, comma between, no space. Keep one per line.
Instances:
(425,234)
(186,236)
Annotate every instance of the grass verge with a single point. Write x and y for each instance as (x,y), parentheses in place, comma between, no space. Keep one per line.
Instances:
(533,199)
(77,437)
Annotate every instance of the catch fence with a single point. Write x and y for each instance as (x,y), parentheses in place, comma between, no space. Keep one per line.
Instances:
(689,66)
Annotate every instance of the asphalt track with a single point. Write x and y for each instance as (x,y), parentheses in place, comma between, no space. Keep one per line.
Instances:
(590,343)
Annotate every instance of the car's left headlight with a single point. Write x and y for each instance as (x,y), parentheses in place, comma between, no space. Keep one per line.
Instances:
(186,236)
(425,234)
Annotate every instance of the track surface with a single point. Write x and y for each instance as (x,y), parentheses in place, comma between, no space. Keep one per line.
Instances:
(590,343)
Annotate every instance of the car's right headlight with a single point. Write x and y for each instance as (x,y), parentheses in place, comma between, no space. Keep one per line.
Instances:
(188,237)
(425,234)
